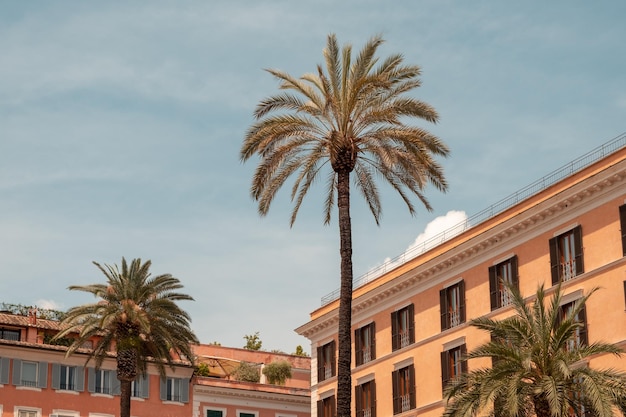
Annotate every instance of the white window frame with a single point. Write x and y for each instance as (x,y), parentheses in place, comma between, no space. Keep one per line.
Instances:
(18,409)
(206,408)
(64,413)
(22,380)
(238,412)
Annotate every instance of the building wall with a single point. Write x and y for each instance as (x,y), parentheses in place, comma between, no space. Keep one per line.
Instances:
(590,199)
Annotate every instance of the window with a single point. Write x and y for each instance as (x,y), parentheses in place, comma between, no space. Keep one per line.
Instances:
(10,334)
(4,371)
(453,364)
(71,378)
(175,389)
(30,374)
(622,223)
(364,344)
(27,413)
(326,407)
(403,386)
(326,361)
(579,338)
(403,327)
(504,272)
(365,399)
(214,413)
(452,304)
(103,381)
(244,414)
(140,387)
(566,255)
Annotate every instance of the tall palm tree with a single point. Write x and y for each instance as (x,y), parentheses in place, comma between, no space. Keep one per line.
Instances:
(538,366)
(348,118)
(136,316)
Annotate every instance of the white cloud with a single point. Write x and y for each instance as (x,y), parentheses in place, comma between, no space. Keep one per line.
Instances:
(48,304)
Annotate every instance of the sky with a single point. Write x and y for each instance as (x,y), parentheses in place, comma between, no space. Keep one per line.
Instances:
(121,125)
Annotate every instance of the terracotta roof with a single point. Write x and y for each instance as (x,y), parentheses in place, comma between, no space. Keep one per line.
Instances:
(24,321)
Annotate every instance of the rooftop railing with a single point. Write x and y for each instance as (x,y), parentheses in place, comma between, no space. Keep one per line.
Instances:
(550,179)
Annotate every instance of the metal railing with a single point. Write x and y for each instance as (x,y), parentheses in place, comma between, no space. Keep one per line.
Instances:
(550,179)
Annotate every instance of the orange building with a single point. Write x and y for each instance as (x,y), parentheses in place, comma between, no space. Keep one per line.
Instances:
(37,380)
(410,321)
(221,395)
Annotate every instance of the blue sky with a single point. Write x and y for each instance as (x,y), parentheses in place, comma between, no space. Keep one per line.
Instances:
(121,123)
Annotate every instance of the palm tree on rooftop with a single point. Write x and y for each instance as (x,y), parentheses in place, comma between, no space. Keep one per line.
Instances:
(136,316)
(539,366)
(345,122)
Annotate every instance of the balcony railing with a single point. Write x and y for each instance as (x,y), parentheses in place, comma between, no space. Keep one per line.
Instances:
(405,402)
(552,178)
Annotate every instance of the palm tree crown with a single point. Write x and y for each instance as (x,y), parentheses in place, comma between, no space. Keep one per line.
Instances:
(348,117)
(137,317)
(539,368)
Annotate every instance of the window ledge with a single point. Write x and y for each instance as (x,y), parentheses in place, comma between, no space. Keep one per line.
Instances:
(21,387)
(172,402)
(99,394)
(66,391)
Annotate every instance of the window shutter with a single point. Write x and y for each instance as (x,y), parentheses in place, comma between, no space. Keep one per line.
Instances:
(515,276)
(91,380)
(358,354)
(412,386)
(443,305)
(42,380)
(373,340)
(163,389)
(445,369)
(4,370)
(578,242)
(373,394)
(116,388)
(622,223)
(554,261)
(582,318)
(80,378)
(333,359)
(320,363)
(145,386)
(395,382)
(333,406)
(462,300)
(320,408)
(411,308)
(395,340)
(493,288)
(464,358)
(56,376)
(184,390)
(358,400)
(17,372)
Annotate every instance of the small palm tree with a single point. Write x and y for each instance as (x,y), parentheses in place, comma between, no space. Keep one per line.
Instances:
(137,317)
(344,120)
(539,368)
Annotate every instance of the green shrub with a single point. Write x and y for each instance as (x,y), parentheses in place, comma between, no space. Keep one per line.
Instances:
(247,372)
(277,372)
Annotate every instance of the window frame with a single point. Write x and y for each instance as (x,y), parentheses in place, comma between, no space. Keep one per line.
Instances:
(41,374)
(110,378)
(78,379)
(449,364)
(403,389)
(498,295)
(170,386)
(580,338)
(326,406)
(365,344)
(326,363)
(566,254)
(17,334)
(403,327)
(445,305)
(365,399)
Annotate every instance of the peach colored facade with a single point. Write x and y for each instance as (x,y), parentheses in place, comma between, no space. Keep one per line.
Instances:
(226,397)
(434,295)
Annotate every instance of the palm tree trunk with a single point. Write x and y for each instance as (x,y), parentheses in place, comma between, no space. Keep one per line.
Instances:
(344,377)
(542,408)
(125,398)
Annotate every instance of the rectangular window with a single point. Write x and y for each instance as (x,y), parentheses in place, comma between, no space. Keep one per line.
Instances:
(403,386)
(326,407)
(326,361)
(71,378)
(453,364)
(30,373)
(140,387)
(622,224)
(103,381)
(214,413)
(499,275)
(566,255)
(579,338)
(175,389)
(364,344)
(403,327)
(26,413)
(10,334)
(365,399)
(242,414)
(452,304)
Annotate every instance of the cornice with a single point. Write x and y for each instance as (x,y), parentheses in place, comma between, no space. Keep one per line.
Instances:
(502,229)
(302,397)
